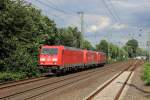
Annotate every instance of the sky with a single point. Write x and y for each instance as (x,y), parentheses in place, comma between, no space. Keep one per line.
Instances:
(114,20)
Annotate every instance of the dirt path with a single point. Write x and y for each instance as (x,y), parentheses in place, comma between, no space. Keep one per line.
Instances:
(137,90)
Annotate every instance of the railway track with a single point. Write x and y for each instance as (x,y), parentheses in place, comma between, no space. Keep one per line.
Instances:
(129,68)
(10,84)
(60,84)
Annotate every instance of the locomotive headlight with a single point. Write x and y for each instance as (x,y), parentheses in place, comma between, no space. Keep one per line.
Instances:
(54,59)
(42,59)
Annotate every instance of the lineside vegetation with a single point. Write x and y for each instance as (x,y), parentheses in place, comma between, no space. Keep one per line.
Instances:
(146,76)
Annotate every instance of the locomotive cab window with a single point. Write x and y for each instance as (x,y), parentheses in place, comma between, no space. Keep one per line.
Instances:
(50,51)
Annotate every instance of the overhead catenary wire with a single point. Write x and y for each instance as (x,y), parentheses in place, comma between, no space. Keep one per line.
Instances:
(109,10)
(58,33)
(114,10)
(54,8)
(45,11)
(52,3)
(57,9)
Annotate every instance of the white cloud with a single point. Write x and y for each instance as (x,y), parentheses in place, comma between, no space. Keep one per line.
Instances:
(94,28)
(102,23)
(119,26)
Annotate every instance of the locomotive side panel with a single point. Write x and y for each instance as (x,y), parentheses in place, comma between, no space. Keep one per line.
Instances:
(72,57)
(90,57)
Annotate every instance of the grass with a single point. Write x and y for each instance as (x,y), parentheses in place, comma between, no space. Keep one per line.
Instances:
(11,76)
(146,75)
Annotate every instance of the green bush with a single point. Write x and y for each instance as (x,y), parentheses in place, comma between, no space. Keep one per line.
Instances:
(146,76)
(10,76)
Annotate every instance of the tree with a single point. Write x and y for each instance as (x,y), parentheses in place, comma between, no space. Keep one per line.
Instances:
(131,47)
(87,45)
(70,37)
(115,53)
(21,33)
(132,43)
(102,46)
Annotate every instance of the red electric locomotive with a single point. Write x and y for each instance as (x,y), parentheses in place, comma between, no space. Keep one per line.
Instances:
(61,58)
(90,58)
(101,58)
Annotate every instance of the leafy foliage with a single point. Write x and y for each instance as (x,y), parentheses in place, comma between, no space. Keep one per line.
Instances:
(87,45)
(114,53)
(146,75)
(70,37)
(131,47)
(23,29)
(102,46)
(9,76)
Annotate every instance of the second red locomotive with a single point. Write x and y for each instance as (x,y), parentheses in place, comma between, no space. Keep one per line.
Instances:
(61,58)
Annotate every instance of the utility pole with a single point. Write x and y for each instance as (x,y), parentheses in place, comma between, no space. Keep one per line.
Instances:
(81,21)
(109,56)
(148,48)
(81,24)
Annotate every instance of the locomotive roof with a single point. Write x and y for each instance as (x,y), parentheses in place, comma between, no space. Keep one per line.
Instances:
(71,48)
(65,47)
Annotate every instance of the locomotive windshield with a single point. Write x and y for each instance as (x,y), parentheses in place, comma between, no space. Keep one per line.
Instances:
(50,51)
